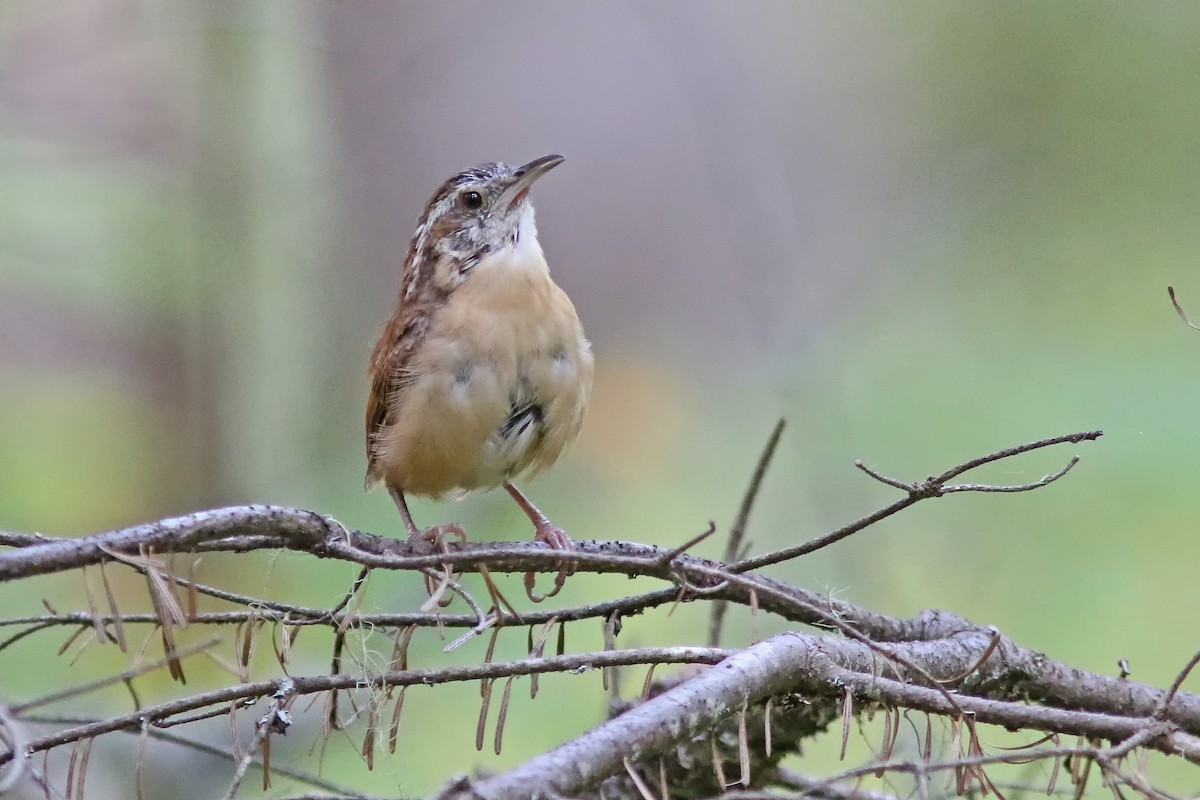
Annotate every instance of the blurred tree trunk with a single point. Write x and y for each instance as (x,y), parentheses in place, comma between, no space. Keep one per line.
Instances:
(221,273)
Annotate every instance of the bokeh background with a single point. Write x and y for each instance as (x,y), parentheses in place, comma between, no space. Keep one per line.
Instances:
(920,232)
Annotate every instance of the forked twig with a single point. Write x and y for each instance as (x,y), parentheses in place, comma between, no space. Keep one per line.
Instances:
(1045,480)
(922,490)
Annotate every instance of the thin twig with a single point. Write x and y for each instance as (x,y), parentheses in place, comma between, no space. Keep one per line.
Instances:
(1179,310)
(1023,757)
(737,532)
(298,775)
(1164,705)
(1020,487)
(991,648)
(679,550)
(14,737)
(91,686)
(820,542)
(1009,452)
(345,601)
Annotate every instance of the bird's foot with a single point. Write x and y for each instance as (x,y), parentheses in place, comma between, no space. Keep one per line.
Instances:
(558,539)
(436,536)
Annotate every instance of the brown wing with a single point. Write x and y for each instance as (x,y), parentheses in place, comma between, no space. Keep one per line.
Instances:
(428,281)
(389,374)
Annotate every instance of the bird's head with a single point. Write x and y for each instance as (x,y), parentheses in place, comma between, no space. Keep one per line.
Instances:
(482,210)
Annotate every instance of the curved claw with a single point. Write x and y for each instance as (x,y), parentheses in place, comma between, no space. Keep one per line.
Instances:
(558,539)
(436,535)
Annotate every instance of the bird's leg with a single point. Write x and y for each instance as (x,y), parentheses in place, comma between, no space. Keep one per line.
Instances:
(435,535)
(405,514)
(546,532)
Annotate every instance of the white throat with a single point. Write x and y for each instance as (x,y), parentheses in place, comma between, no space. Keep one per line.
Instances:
(526,247)
(522,256)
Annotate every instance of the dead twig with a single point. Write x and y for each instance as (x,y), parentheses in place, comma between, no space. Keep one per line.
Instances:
(277,720)
(737,531)
(1179,310)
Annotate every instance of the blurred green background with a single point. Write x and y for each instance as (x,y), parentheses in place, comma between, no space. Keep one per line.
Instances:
(920,232)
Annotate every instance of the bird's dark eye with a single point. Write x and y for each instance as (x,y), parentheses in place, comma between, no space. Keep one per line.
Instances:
(472,200)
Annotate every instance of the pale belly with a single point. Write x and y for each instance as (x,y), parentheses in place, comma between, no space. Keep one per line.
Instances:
(498,391)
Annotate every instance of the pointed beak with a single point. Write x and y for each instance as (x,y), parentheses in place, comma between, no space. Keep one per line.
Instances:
(525,176)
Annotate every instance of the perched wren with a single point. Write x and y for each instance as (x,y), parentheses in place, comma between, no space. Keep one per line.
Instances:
(482,374)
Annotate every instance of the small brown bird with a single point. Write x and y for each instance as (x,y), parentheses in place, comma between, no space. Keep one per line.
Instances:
(482,373)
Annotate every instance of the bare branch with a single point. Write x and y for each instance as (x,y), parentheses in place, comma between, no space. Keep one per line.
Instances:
(164,712)
(305,529)
(769,668)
